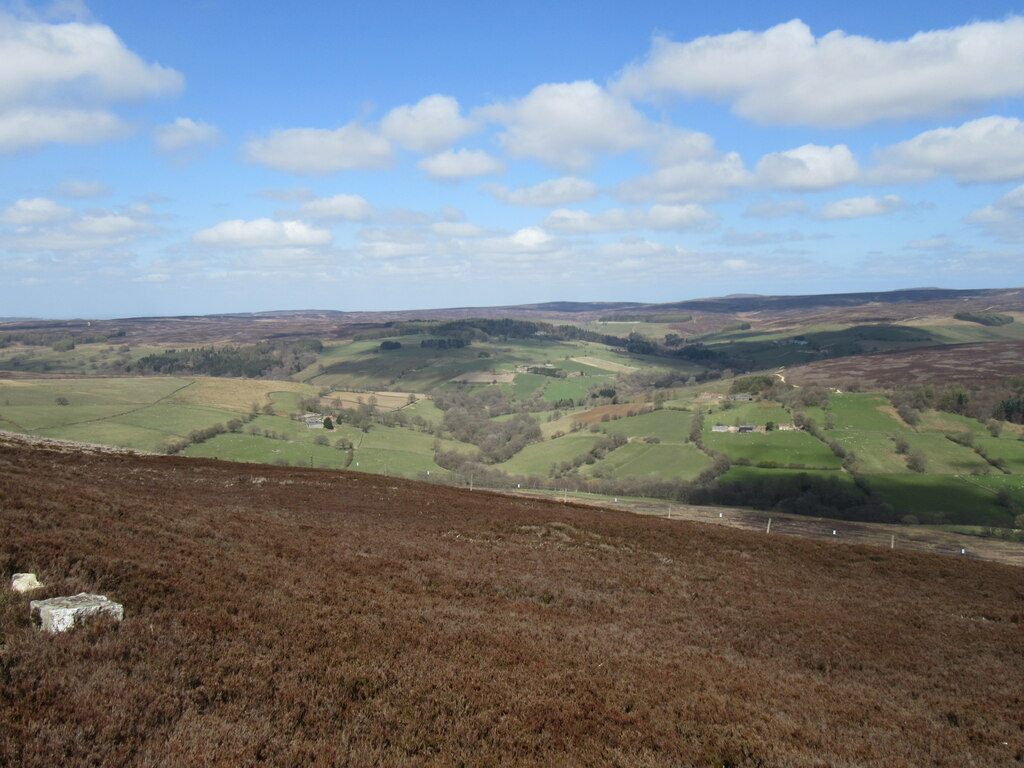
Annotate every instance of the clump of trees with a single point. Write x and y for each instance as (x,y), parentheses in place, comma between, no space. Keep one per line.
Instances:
(263,360)
(984,318)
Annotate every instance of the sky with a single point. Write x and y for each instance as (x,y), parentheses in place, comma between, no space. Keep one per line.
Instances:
(213,156)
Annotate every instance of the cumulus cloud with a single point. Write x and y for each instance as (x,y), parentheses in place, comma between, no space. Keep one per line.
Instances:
(33,211)
(431,124)
(1004,219)
(31,127)
(337,208)
(563,191)
(262,233)
(787,76)
(184,133)
(660,217)
(58,80)
(861,207)
(810,167)
(699,180)
(320,152)
(457,229)
(990,149)
(772,209)
(565,124)
(461,164)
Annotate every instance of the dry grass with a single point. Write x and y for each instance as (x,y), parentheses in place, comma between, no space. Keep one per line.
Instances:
(236,394)
(311,618)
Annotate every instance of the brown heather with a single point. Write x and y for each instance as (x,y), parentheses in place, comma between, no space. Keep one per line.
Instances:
(292,617)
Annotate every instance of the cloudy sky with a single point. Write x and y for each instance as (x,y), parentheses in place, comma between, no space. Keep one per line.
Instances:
(208,156)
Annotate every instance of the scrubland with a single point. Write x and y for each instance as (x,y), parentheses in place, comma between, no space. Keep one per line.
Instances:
(297,617)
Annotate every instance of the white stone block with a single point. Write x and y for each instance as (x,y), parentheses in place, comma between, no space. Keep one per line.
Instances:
(59,614)
(25,582)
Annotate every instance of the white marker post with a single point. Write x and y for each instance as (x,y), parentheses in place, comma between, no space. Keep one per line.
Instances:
(892,543)
(769,529)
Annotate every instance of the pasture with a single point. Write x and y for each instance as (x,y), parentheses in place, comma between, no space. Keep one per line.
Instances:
(664,460)
(783,448)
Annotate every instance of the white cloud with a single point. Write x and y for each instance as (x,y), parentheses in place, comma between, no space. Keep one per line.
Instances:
(58,79)
(564,124)
(810,167)
(184,133)
(43,61)
(429,125)
(462,164)
(661,217)
(457,229)
(699,180)
(337,208)
(985,150)
(82,190)
(786,76)
(771,209)
(860,207)
(563,191)
(1004,219)
(262,233)
(34,211)
(30,127)
(319,152)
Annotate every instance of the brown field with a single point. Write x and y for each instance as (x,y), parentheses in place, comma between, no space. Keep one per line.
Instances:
(386,401)
(606,365)
(965,363)
(292,617)
(486,377)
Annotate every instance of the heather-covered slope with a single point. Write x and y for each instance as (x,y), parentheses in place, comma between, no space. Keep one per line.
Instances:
(303,617)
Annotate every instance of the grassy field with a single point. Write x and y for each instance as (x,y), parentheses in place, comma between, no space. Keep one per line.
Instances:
(666,425)
(1010,450)
(784,448)
(756,413)
(941,499)
(664,460)
(757,474)
(863,412)
(946,457)
(875,451)
(537,459)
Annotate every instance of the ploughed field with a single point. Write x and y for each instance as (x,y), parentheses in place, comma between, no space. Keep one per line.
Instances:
(300,617)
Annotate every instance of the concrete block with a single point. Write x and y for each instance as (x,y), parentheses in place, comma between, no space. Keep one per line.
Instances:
(25,582)
(59,614)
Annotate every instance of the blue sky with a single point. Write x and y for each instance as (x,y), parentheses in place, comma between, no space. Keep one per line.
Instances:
(212,156)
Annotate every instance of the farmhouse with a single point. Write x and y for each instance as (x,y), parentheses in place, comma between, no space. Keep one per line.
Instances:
(313,420)
(786,428)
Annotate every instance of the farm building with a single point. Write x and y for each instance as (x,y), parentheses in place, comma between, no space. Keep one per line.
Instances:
(313,420)
(742,397)
(720,428)
(746,428)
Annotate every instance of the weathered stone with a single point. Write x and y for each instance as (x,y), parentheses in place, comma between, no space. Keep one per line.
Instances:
(25,582)
(59,614)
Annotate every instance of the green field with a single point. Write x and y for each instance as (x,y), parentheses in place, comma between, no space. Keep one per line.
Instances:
(854,411)
(537,458)
(941,499)
(783,448)
(667,425)
(945,457)
(665,461)
(758,474)
(757,413)
(1010,450)
(875,451)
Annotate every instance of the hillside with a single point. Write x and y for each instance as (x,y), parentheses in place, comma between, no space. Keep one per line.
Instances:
(298,617)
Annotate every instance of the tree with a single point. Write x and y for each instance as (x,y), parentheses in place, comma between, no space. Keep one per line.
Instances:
(328,424)
(62,401)
(769,426)
(917,462)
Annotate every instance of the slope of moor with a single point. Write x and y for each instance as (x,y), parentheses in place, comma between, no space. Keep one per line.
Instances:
(290,617)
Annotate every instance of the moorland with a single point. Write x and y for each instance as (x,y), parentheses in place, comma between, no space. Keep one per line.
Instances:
(291,616)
